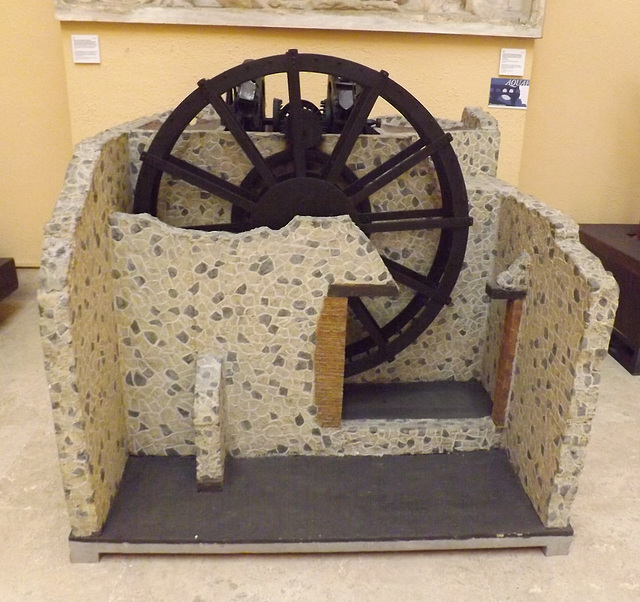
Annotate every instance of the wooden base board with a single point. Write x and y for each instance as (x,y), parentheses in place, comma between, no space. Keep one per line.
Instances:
(551,545)
(311,504)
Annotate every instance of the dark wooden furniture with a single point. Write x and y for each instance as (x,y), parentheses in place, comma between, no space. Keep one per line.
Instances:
(618,248)
(8,277)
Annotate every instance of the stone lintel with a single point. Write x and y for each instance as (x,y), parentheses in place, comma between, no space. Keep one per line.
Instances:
(497,292)
(241,13)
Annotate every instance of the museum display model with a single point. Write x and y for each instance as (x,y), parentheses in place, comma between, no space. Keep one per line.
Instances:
(315,331)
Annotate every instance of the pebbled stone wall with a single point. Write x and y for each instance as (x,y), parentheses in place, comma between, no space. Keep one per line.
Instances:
(78,330)
(567,319)
(77,326)
(255,297)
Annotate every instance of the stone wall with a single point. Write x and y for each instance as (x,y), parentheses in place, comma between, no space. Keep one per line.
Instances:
(567,320)
(78,329)
(255,298)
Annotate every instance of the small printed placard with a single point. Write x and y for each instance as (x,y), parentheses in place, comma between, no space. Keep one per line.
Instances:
(86,49)
(512,62)
(509,93)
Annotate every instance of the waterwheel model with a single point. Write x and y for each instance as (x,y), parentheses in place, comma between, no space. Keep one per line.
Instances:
(184,368)
(306,179)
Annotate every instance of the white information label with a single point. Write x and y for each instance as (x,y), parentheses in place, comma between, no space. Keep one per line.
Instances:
(86,49)
(512,61)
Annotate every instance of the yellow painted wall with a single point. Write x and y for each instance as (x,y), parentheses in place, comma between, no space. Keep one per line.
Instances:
(575,147)
(150,68)
(581,149)
(35,140)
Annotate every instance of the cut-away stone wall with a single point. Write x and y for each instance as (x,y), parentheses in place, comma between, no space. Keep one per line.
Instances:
(124,300)
(564,334)
(254,297)
(78,329)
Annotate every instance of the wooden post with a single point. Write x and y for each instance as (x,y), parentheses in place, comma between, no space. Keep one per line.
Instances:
(510,328)
(329,360)
(504,371)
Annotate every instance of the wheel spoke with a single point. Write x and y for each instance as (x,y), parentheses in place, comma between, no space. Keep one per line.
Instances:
(368,218)
(204,180)
(353,128)
(296,127)
(368,322)
(238,132)
(393,167)
(420,219)
(416,281)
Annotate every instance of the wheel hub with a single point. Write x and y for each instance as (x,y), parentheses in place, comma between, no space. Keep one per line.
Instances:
(298,196)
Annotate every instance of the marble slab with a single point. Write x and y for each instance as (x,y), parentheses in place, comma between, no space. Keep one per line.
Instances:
(511,18)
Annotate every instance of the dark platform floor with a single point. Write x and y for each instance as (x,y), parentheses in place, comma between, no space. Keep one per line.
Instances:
(436,399)
(296,499)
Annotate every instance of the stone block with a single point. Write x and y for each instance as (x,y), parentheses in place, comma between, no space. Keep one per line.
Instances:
(209,419)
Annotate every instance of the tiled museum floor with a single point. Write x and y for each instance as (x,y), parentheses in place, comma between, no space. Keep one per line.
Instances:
(603,564)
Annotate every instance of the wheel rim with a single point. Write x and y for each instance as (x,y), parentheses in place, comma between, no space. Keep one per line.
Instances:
(330,186)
